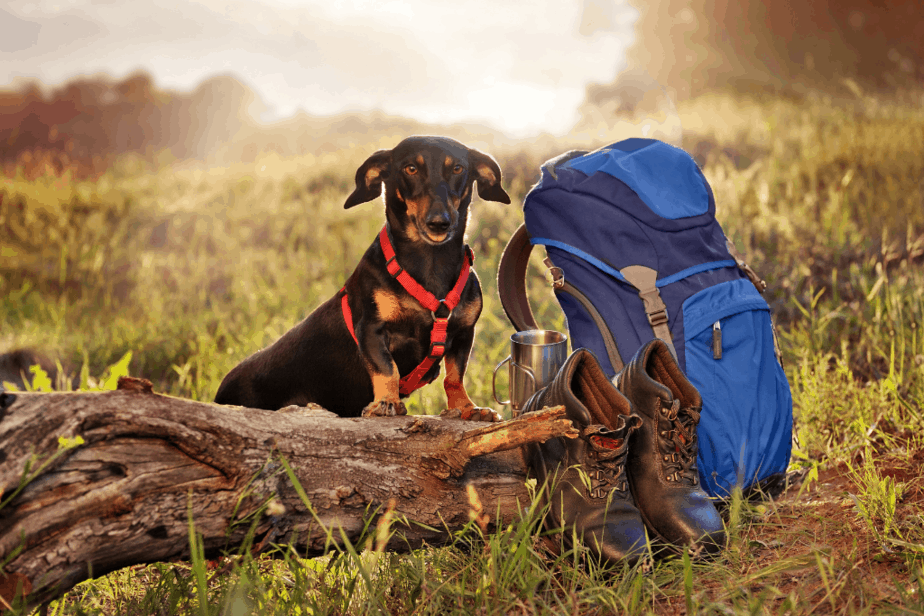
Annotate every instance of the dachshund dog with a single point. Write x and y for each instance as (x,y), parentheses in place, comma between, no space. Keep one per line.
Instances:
(410,304)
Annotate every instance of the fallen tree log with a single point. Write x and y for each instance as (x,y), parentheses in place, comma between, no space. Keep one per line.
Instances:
(93,482)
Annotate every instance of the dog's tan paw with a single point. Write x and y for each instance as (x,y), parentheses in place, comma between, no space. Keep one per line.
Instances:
(384,408)
(472,413)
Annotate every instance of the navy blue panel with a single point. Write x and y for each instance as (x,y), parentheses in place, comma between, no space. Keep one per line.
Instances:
(589,223)
(578,320)
(696,269)
(612,194)
(616,302)
(614,234)
(589,258)
(679,193)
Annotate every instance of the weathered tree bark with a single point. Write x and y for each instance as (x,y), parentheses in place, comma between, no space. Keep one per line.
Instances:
(148,462)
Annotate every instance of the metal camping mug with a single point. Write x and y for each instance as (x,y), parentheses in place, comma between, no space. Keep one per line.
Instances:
(536,356)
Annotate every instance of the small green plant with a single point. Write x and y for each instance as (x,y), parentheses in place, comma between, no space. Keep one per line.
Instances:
(877,499)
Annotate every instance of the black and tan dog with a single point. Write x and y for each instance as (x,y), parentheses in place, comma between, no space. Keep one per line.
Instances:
(411,302)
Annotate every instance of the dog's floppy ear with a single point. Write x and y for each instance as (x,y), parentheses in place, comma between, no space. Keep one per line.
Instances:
(369,178)
(488,177)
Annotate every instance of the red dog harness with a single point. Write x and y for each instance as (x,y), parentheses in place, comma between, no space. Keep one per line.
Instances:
(412,381)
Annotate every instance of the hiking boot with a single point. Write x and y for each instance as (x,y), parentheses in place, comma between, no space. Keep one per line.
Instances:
(662,459)
(584,479)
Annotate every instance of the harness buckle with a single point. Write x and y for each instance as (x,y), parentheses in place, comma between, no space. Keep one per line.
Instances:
(438,336)
(437,349)
(395,270)
(658,318)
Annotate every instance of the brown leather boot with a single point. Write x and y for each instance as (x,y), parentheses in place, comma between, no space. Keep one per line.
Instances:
(662,458)
(584,479)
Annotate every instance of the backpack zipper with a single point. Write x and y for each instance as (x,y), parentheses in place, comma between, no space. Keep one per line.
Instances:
(717,340)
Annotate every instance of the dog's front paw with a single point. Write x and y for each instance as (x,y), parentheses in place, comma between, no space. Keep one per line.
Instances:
(384,408)
(472,413)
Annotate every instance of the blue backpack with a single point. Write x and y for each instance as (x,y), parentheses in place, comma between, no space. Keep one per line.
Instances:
(635,252)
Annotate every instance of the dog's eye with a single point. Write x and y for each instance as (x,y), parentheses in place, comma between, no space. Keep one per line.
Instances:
(458,169)
(410,169)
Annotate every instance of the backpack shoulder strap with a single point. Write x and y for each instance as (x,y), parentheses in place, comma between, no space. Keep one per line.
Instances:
(511,286)
(511,280)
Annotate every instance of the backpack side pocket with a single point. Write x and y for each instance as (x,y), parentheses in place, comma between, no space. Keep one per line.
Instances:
(745,430)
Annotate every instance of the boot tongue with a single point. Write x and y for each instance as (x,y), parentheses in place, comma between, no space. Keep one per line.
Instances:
(611,443)
(606,462)
(604,442)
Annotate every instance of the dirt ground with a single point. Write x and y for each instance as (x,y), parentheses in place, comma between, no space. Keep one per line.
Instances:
(816,546)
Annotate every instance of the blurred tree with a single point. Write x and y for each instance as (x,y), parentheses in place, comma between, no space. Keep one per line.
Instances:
(779,45)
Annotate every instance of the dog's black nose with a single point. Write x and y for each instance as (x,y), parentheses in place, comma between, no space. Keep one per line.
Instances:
(439,223)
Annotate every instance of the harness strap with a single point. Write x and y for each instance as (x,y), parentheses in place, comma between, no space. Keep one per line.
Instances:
(347,314)
(424,297)
(414,380)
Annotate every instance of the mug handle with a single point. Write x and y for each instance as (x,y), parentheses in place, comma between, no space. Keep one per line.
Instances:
(529,373)
(494,381)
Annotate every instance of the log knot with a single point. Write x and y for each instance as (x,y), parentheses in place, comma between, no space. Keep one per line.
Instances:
(418,426)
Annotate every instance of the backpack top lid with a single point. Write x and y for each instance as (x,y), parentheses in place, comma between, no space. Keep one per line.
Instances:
(665,178)
(635,202)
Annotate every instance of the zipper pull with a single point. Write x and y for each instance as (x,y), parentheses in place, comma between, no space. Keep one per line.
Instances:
(717,340)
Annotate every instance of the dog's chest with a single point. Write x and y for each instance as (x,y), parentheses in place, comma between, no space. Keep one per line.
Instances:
(408,324)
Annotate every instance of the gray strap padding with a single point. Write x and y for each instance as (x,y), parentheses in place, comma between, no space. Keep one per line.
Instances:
(644,279)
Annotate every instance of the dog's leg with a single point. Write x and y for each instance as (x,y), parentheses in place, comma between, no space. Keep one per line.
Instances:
(383,371)
(460,405)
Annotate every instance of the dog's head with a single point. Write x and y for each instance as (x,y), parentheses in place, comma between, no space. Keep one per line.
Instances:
(428,184)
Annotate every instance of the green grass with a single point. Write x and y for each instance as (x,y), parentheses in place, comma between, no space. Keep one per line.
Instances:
(191,269)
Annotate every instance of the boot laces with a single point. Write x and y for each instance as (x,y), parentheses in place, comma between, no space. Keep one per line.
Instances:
(678,443)
(606,460)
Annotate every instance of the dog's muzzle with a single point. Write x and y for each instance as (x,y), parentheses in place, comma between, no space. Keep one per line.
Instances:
(439,220)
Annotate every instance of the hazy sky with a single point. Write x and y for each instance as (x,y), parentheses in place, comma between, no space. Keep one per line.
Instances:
(518,65)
